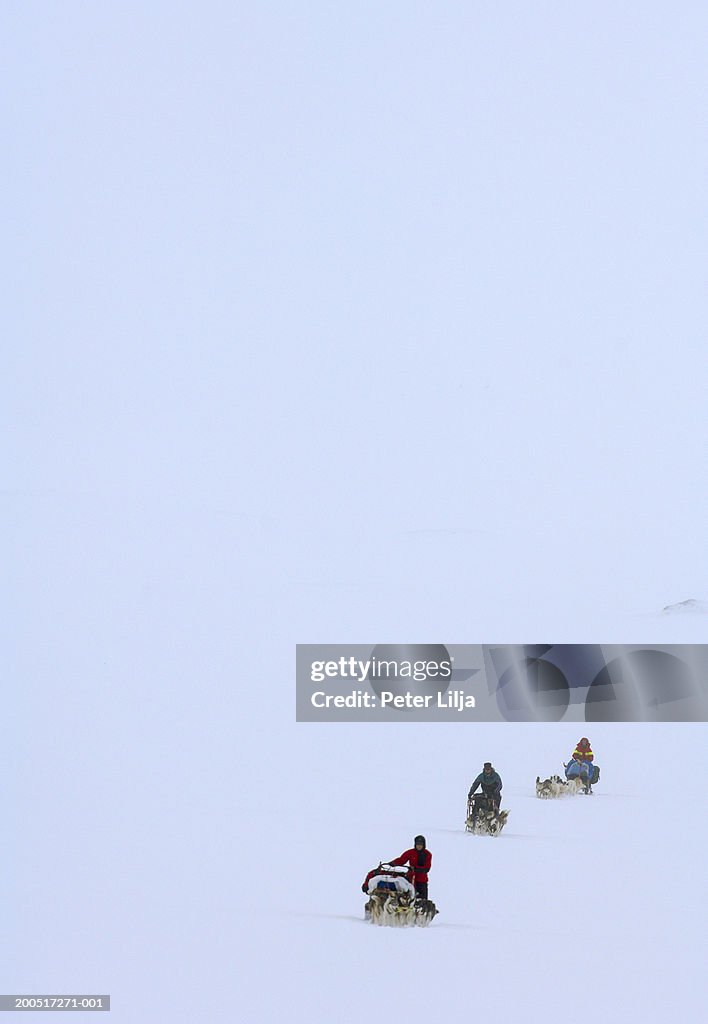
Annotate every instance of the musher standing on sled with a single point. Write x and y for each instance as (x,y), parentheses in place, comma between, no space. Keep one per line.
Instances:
(583,752)
(491,784)
(420,860)
(581,765)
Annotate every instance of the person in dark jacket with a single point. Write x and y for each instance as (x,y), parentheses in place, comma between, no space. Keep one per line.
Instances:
(420,859)
(491,784)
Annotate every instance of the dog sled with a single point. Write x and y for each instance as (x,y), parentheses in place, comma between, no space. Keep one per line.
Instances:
(393,902)
(576,781)
(483,817)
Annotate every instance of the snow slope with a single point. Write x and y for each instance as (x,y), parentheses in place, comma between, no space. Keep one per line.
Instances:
(583,905)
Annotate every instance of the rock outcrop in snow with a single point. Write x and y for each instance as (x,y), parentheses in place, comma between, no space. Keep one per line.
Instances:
(696,607)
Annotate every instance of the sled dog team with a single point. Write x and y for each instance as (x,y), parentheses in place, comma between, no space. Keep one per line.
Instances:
(398,888)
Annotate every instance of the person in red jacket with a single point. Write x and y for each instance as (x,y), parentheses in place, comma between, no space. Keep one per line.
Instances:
(583,751)
(420,859)
(580,765)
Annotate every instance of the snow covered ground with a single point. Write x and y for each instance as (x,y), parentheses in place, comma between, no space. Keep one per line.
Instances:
(199,872)
(592,905)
